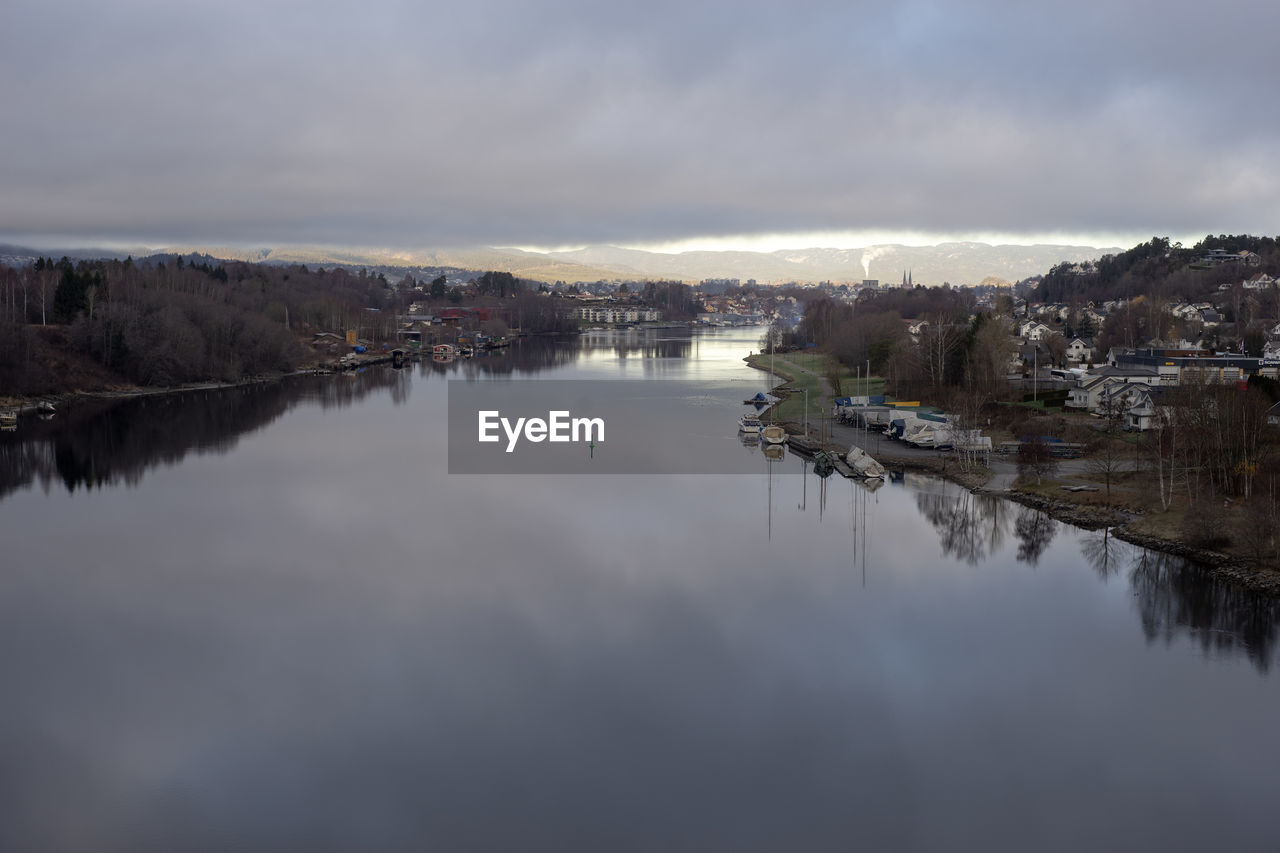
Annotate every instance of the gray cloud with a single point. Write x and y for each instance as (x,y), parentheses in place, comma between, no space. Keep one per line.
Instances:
(512,123)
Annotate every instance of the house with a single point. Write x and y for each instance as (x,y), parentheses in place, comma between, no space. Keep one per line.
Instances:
(1033,331)
(1261,281)
(1079,349)
(1273,415)
(1089,392)
(1031,355)
(1222,256)
(1144,409)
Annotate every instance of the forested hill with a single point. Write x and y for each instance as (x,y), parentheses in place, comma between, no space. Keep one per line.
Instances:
(1156,268)
(165,323)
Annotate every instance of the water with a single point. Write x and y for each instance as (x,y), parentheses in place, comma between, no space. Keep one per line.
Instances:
(267,619)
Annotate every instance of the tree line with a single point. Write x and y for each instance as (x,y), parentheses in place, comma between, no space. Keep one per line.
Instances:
(163,322)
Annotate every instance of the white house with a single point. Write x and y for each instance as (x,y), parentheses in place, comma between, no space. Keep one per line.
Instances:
(1079,349)
(1091,388)
(1033,331)
(1144,409)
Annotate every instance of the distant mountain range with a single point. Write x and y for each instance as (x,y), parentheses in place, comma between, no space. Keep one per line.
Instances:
(957,263)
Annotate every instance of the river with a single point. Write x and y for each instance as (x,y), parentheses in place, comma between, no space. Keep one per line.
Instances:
(270,618)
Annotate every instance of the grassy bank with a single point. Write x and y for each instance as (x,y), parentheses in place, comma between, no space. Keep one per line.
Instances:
(816,373)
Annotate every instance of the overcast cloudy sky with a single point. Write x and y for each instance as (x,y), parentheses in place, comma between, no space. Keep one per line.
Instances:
(417,125)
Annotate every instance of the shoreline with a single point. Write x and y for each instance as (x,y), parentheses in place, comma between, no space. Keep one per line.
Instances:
(27,405)
(22,405)
(1235,569)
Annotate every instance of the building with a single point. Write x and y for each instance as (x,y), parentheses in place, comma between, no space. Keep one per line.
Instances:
(1177,366)
(1144,409)
(1093,390)
(1079,349)
(1033,331)
(617,314)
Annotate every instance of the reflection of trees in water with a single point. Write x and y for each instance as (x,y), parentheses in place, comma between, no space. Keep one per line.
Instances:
(1175,596)
(103,442)
(1106,554)
(1035,530)
(1172,594)
(969,526)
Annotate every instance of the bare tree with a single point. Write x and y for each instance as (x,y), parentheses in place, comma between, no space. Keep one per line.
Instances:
(1035,457)
(1162,442)
(939,340)
(1106,463)
(46,283)
(1056,345)
(989,357)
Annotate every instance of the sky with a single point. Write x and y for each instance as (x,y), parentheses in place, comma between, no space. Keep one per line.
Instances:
(413,125)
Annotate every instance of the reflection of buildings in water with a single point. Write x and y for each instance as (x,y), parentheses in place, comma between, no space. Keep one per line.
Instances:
(641,343)
(525,355)
(537,353)
(103,442)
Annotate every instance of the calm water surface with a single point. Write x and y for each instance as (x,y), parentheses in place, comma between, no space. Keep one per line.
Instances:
(267,618)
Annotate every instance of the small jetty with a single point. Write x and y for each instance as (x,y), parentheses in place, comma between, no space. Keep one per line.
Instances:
(857,464)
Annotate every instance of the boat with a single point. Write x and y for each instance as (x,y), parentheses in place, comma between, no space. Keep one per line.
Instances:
(8,420)
(774,434)
(444,349)
(761,400)
(750,423)
(862,465)
(44,407)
